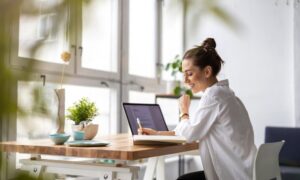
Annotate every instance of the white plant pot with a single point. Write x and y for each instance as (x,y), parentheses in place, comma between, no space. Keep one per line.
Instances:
(90,131)
(170,86)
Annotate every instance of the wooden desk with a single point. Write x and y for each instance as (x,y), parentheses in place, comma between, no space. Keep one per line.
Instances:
(120,148)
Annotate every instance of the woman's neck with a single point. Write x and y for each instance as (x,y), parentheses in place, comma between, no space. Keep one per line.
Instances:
(211,82)
(207,83)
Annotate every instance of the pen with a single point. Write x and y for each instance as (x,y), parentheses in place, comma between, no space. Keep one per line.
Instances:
(139,123)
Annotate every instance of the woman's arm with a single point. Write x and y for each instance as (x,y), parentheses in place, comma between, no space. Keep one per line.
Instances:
(184,106)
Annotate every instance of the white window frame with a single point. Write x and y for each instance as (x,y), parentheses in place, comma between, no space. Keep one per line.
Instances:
(133,82)
(116,42)
(126,77)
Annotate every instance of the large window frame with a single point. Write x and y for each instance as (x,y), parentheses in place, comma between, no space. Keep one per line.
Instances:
(125,81)
(116,43)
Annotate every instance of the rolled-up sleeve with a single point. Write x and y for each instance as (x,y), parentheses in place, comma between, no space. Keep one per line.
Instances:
(200,123)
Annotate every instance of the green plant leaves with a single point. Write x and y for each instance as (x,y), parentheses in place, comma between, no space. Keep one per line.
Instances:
(83,110)
(177,91)
(174,66)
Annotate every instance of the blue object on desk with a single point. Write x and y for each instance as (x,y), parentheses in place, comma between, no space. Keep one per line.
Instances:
(289,157)
(78,135)
(59,138)
(87,143)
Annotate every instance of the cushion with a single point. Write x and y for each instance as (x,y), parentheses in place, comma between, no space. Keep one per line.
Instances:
(290,152)
(290,173)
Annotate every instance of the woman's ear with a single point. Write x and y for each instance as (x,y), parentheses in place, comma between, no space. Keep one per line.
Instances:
(208,71)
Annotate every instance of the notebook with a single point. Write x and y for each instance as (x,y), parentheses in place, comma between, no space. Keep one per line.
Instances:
(150,116)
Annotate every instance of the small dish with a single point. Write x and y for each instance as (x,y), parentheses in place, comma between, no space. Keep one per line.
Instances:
(59,138)
(87,143)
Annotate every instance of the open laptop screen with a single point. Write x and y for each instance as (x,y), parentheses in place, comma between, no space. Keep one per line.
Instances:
(150,116)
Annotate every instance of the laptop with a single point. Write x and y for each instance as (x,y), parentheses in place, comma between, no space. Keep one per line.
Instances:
(150,116)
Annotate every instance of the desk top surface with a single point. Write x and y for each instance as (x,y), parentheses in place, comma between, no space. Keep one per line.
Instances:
(121,147)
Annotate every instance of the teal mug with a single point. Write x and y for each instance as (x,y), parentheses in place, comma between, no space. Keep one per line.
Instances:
(78,135)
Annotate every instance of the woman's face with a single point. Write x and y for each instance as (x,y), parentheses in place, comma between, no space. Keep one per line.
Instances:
(194,77)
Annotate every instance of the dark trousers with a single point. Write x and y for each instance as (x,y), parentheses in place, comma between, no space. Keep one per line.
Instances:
(198,175)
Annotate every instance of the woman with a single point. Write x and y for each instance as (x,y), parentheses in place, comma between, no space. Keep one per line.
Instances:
(220,123)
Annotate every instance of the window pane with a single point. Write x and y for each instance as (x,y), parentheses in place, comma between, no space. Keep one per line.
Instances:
(97,35)
(39,122)
(172,31)
(42,24)
(142,38)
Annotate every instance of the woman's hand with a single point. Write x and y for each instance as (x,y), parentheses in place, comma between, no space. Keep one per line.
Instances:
(147,131)
(184,104)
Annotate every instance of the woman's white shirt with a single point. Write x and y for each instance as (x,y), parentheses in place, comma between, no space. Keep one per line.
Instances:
(221,123)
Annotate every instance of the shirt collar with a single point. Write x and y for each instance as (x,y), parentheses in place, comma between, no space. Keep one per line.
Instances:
(224,82)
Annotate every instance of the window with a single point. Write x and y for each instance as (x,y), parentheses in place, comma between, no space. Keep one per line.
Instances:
(37,102)
(172,32)
(142,38)
(43,29)
(98,31)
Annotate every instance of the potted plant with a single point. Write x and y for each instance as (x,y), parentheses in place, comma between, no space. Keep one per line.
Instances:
(176,68)
(82,113)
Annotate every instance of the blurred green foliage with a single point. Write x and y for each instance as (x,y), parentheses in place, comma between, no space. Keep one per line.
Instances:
(8,78)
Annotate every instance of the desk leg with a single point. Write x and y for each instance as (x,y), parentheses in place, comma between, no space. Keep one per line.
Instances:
(150,168)
(160,168)
(155,164)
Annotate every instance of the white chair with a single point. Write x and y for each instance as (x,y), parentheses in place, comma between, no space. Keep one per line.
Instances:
(266,165)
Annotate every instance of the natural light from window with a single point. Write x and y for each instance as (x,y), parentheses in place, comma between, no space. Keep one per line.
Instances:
(172,32)
(97,35)
(41,29)
(142,38)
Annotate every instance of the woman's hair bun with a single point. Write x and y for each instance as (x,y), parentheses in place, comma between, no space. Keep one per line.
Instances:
(209,43)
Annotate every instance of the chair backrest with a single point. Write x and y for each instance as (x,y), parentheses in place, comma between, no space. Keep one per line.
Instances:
(289,155)
(266,165)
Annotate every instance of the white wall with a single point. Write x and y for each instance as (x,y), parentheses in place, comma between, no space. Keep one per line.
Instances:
(258,57)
